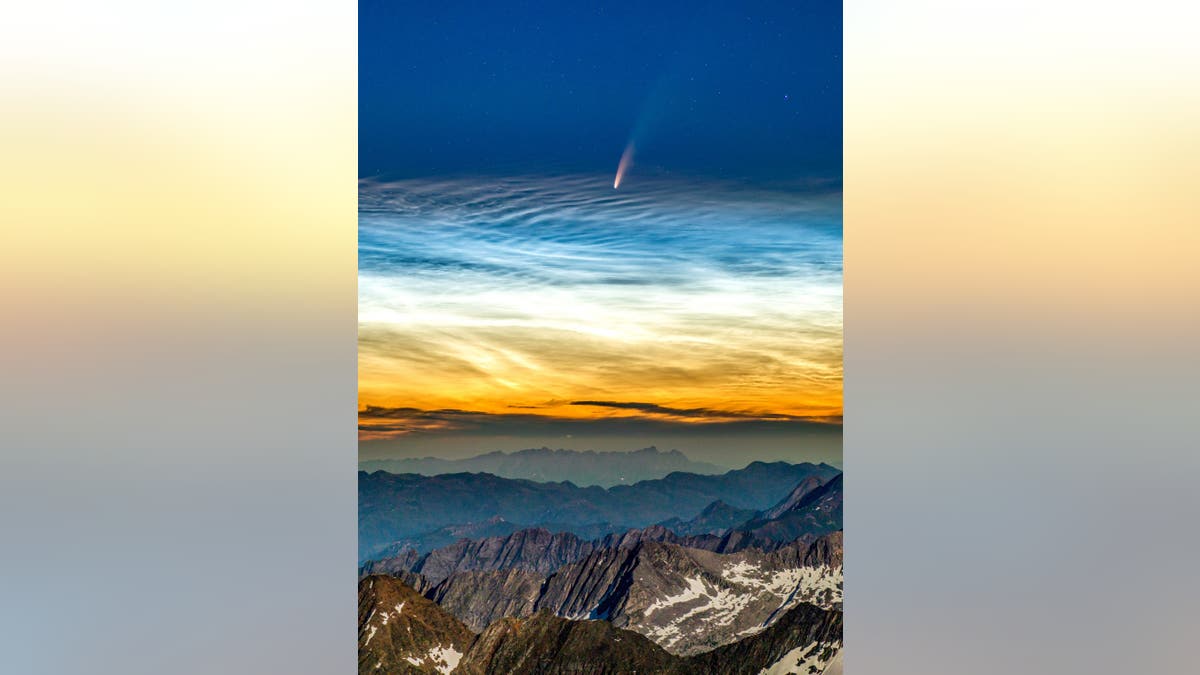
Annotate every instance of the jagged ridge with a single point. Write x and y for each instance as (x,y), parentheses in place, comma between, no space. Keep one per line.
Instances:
(393,507)
(686,600)
(416,637)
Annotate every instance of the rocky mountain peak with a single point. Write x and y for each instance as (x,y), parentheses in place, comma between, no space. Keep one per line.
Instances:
(400,631)
(715,507)
(795,497)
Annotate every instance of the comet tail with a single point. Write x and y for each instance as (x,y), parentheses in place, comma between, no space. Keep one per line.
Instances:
(626,162)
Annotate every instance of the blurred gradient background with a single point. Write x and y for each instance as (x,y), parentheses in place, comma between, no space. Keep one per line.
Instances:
(178,407)
(1021,315)
(177,395)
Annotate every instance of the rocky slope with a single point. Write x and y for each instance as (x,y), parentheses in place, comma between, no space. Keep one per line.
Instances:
(548,645)
(686,600)
(806,517)
(480,598)
(543,464)
(806,640)
(535,550)
(493,527)
(811,510)
(794,498)
(532,550)
(393,507)
(444,536)
(828,550)
(715,519)
(399,631)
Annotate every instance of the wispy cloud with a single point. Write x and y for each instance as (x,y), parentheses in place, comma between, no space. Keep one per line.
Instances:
(500,295)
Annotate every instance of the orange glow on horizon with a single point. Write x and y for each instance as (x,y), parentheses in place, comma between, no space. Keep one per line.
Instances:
(467,326)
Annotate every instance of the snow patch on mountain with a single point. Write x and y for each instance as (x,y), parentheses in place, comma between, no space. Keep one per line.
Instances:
(445,659)
(374,630)
(821,584)
(815,657)
(743,598)
(695,590)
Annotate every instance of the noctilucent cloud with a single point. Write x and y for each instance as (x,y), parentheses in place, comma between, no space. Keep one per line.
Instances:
(509,296)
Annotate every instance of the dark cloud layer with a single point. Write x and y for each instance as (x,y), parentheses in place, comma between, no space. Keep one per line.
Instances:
(656,409)
(377,423)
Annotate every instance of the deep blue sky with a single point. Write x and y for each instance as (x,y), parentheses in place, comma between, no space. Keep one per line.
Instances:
(731,89)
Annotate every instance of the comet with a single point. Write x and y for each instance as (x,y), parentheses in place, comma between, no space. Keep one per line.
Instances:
(623,166)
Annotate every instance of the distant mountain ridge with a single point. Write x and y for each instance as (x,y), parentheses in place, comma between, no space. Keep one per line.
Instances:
(583,468)
(493,527)
(714,519)
(396,507)
(811,510)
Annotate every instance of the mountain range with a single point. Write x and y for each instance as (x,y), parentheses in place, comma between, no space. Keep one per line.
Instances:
(739,572)
(402,632)
(686,593)
(493,527)
(394,508)
(685,600)
(809,511)
(587,467)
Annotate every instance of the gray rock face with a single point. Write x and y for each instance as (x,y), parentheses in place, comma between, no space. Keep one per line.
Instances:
(532,550)
(827,550)
(593,588)
(480,598)
(396,565)
(686,600)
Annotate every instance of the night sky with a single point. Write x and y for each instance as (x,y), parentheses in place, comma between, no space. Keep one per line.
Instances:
(731,89)
(510,297)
